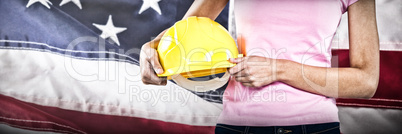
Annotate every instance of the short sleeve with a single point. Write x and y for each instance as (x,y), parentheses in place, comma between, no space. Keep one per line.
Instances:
(346,4)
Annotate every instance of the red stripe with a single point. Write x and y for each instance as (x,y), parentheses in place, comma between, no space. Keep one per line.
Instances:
(25,115)
(389,93)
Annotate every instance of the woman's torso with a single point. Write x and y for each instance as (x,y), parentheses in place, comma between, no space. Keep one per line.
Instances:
(297,30)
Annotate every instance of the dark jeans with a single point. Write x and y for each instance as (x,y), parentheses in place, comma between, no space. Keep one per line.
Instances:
(324,128)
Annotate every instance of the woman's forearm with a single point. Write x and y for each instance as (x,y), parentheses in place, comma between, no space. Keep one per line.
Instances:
(206,8)
(331,82)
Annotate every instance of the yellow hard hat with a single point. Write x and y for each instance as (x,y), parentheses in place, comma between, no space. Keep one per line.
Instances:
(195,47)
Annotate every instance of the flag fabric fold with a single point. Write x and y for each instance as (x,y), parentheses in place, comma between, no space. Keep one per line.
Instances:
(72,67)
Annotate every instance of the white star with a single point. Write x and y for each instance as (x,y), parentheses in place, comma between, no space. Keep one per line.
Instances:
(43,2)
(76,2)
(150,4)
(109,30)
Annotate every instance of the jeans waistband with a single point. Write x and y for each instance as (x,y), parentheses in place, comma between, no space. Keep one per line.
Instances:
(323,128)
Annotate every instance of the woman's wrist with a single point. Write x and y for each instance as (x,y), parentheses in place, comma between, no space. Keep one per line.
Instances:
(282,69)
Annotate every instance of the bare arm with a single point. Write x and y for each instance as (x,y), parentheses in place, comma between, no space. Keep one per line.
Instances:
(358,81)
(206,8)
(149,61)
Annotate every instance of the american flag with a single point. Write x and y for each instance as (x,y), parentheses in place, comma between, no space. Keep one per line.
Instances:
(71,66)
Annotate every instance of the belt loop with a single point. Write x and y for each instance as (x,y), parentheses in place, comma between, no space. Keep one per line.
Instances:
(304,129)
(246,129)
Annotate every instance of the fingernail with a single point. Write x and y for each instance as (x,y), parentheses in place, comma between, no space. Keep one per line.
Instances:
(159,71)
(231,59)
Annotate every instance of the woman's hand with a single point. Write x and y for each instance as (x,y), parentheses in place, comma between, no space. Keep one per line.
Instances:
(254,71)
(149,63)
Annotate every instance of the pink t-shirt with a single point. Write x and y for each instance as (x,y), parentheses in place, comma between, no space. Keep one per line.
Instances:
(297,30)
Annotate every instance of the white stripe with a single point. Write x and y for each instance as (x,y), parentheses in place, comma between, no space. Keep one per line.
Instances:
(359,120)
(103,87)
(66,55)
(65,50)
